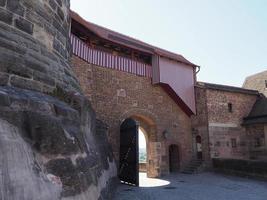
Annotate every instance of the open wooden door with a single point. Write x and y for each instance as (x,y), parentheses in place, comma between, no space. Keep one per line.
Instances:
(129,169)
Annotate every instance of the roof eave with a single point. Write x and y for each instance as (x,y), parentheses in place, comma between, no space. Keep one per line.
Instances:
(105,34)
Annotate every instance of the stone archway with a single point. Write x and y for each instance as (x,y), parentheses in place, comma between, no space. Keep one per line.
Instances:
(148,123)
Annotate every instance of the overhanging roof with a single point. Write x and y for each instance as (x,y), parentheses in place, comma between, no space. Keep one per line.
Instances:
(128,41)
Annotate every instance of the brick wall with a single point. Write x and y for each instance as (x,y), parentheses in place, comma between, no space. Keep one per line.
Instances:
(225,127)
(219,127)
(217,104)
(117,95)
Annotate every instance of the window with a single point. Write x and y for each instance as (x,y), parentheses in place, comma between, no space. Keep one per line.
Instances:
(233,143)
(266,84)
(230,107)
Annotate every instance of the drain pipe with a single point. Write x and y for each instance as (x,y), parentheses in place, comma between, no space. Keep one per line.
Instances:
(198,67)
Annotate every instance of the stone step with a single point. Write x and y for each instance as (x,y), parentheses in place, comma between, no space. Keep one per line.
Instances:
(192,167)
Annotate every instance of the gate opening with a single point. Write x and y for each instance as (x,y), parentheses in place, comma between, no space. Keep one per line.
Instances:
(174,159)
(142,152)
(129,165)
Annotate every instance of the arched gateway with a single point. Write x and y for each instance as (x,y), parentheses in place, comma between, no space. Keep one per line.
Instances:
(128,167)
(128,79)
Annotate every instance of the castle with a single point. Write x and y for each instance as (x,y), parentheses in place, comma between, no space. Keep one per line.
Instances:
(73,96)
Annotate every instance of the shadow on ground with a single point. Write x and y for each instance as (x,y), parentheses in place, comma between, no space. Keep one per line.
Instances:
(204,186)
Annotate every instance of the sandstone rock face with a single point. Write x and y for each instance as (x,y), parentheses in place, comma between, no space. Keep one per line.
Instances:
(50,150)
(51,145)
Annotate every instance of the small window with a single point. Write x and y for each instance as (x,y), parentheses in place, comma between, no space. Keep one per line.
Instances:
(233,143)
(230,107)
(266,84)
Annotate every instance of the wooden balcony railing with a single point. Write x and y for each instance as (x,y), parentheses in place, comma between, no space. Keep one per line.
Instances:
(103,59)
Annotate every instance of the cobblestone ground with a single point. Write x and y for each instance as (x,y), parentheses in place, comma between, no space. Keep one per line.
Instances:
(204,186)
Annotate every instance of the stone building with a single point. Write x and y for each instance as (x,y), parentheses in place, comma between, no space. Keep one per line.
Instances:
(256,121)
(125,78)
(230,121)
(106,64)
(53,140)
(257,82)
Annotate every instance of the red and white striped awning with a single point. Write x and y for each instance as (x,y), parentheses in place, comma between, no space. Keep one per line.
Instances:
(103,59)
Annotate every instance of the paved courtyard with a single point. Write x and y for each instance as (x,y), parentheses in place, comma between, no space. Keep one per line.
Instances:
(204,186)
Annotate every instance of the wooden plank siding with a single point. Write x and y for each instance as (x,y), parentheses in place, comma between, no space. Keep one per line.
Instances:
(103,59)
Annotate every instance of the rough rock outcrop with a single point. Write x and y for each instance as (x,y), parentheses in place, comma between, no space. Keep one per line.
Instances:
(51,145)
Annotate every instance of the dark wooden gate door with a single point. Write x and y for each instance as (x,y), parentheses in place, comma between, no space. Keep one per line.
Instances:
(174,158)
(129,170)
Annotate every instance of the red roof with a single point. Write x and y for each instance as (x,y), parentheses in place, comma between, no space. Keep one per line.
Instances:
(128,41)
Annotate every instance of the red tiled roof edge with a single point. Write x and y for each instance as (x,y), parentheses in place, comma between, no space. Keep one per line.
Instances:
(142,46)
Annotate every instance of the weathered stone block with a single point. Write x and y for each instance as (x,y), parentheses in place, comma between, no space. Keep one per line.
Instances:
(60,13)
(4,78)
(53,4)
(73,182)
(15,7)
(11,46)
(25,83)
(4,99)
(24,25)
(59,48)
(59,2)
(35,64)
(20,71)
(44,78)
(49,136)
(2,2)
(6,16)
(34,18)
(48,54)
(61,110)
(58,26)
(61,38)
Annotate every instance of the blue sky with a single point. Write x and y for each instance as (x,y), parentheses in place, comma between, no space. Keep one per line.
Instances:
(227,38)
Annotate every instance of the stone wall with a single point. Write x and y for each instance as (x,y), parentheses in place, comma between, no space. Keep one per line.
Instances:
(117,95)
(222,131)
(217,102)
(246,168)
(35,45)
(257,137)
(224,126)
(57,150)
(51,145)
(257,82)
(200,125)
